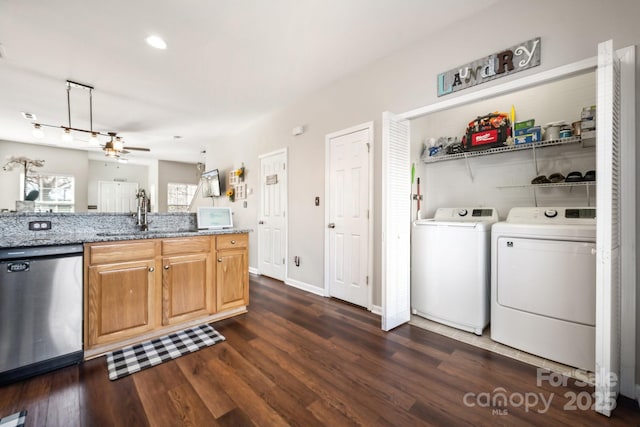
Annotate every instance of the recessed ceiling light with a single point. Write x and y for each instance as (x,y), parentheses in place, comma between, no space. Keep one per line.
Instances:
(156,42)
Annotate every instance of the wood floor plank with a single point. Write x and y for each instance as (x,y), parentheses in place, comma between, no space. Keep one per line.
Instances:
(64,400)
(205,382)
(168,398)
(108,403)
(245,398)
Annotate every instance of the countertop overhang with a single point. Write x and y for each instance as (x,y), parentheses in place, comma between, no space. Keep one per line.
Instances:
(40,238)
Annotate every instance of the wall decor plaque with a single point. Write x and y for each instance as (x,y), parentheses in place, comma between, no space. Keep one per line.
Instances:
(517,58)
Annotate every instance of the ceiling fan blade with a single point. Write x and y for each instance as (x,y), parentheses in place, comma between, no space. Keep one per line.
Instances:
(137,148)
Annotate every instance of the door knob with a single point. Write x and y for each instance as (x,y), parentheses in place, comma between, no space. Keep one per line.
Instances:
(332,225)
(233,242)
(219,259)
(151,269)
(166,267)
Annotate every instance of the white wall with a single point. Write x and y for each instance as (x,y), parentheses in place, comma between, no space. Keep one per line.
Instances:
(57,161)
(402,82)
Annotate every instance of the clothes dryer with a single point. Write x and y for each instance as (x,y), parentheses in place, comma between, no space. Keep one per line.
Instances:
(543,283)
(450,267)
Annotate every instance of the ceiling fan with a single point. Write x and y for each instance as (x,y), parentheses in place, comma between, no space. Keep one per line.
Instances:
(114,148)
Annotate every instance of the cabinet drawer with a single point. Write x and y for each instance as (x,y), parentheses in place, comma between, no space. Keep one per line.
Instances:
(185,245)
(121,252)
(232,241)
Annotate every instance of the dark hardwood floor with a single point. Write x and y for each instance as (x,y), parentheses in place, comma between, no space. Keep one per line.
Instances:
(303,360)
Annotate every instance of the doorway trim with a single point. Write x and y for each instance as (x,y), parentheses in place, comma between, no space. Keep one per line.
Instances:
(286,209)
(327,170)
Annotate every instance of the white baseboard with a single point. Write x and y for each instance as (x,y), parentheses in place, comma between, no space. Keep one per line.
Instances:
(253,270)
(376,309)
(304,286)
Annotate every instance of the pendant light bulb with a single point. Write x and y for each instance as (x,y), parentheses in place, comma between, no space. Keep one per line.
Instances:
(93,139)
(67,136)
(37,131)
(118,145)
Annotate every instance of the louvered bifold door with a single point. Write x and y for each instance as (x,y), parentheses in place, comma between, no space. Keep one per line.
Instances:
(396,221)
(608,229)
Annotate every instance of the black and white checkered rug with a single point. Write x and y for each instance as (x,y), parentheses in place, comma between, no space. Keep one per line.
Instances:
(151,353)
(14,420)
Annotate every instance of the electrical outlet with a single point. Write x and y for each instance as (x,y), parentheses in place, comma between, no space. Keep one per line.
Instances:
(39,225)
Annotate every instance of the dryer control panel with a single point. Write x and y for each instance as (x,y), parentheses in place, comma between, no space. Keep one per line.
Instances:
(553,215)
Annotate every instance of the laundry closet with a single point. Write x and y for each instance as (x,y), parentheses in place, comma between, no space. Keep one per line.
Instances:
(507,178)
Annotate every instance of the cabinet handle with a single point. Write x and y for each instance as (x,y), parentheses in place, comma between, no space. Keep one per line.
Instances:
(166,267)
(233,242)
(219,259)
(151,269)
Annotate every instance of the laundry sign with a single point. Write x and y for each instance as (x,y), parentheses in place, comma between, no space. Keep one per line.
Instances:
(516,58)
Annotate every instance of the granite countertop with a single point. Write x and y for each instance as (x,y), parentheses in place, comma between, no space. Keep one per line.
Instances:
(42,238)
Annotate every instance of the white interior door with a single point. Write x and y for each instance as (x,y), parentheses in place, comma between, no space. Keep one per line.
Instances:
(348,219)
(608,230)
(272,225)
(396,221)
(117,196)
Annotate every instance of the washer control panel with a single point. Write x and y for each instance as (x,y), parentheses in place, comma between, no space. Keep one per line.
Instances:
(471,214)
(552,215)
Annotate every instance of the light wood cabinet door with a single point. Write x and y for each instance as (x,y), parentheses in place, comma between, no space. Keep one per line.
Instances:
(121,301)
(232,278)
(187,287)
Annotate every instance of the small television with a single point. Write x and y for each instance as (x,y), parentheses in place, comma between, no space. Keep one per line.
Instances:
(211,183)
(210,218)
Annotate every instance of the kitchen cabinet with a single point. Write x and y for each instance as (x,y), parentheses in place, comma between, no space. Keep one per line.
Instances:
(187,279)
(120,291)
(232,271)
(139,289)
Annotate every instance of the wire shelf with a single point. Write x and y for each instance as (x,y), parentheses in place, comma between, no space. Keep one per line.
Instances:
(552,184)
(505,149)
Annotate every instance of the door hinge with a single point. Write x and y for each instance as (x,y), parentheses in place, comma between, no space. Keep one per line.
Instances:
(367,280)
(284,166)
(368,147)
(282,261)
(367,213)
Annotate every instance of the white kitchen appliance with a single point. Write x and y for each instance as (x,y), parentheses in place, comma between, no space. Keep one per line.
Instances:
(543,283)
(450,267)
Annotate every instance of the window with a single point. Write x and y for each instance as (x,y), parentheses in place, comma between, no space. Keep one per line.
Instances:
(179,196)
(56,192)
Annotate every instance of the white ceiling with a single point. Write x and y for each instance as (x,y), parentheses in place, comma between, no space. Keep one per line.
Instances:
(228,62)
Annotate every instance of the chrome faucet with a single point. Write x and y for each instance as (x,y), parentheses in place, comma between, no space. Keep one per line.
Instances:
(141,214)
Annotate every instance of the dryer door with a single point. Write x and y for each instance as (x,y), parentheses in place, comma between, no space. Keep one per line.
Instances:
(551,278)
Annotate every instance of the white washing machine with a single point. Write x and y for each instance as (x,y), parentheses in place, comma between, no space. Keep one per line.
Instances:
(543,283)
(450,267)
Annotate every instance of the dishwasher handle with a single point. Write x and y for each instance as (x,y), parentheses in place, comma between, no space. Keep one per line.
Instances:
(40,251)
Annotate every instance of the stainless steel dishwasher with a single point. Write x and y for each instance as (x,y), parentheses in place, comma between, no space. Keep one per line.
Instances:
(40,310)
